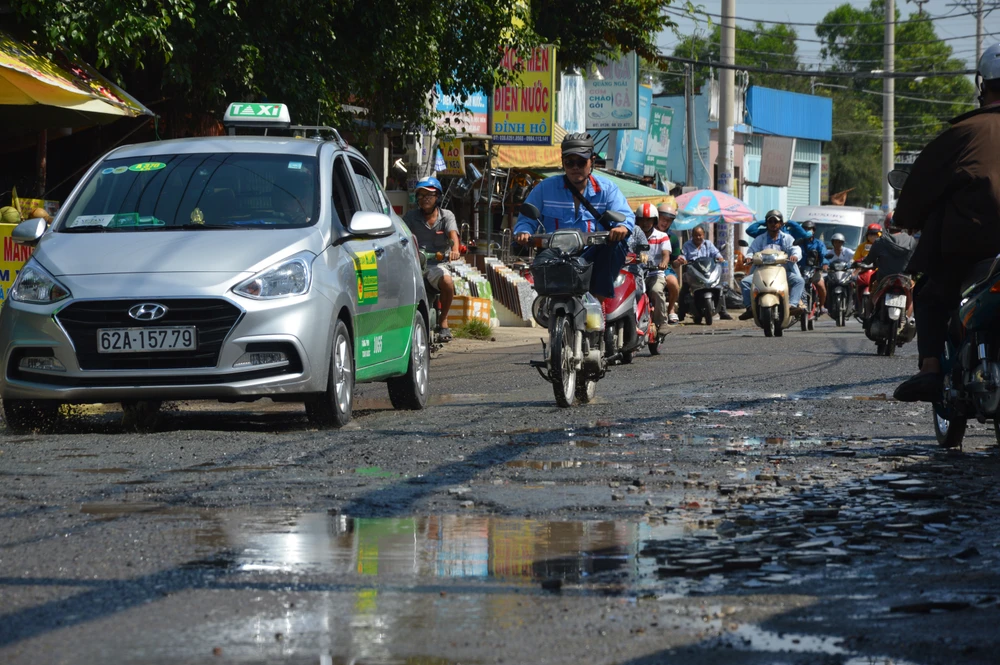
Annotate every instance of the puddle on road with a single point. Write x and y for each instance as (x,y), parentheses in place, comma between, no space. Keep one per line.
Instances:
(383,403)
(748,637)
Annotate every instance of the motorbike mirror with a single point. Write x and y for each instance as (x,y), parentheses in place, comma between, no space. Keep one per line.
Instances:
(530,211)
(642,248)
(743,243)
(830,255)
(613,216)
(722,247)
(897,178)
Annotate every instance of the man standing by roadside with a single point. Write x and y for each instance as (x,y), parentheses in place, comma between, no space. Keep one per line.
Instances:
(436,231)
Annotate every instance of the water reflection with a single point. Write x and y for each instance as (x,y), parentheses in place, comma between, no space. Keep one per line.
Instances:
(511,550)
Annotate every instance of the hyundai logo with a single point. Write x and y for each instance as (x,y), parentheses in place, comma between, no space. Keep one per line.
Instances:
(147,311)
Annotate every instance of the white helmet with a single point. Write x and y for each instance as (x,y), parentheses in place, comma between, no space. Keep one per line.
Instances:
(989,63)
(838,236)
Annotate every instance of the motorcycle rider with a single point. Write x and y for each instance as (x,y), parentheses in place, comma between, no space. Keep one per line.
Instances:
(695,248)
(814,248)
(952,196)
(667,213)
(840,252)
(775,238)
(646,218)
(562,209)
(862,278)
(891,253)
(436,231)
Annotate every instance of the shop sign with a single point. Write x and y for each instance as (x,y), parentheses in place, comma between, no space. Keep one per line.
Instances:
(468,117)
(824,177)
(14,258)
(454,157)
(523,110)
(776,156)
(631,154)
(613,98)
(661,119)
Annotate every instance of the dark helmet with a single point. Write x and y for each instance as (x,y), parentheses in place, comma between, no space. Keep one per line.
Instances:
(809,225)
(578,144)
(774,214)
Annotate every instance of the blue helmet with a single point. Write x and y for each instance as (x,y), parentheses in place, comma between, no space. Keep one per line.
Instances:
(431,183)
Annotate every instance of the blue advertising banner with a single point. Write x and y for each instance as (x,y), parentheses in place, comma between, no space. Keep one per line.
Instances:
(631,154)
(470,117)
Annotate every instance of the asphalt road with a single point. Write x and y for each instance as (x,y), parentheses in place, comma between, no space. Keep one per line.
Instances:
(735,500)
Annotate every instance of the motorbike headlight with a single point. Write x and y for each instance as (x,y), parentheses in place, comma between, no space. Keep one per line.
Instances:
(291,277)
(619,279)
(36,286)
(569,242)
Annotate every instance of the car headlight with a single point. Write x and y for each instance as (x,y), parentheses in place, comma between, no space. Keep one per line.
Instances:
(36,286)
(291,277)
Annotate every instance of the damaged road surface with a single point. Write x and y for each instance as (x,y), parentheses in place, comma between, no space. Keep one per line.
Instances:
(735,500)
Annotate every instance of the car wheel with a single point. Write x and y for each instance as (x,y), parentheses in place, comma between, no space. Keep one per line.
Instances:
(333,408)
(24,415)
(410,390)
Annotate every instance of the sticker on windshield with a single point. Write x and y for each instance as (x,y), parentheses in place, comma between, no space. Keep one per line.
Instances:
(295,165)
(147,166)
(107,171)
(118,170)
(90,220)
(366,269)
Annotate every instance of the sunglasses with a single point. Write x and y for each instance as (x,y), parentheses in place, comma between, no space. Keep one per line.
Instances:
(575,162)
(775,221)
(421,197)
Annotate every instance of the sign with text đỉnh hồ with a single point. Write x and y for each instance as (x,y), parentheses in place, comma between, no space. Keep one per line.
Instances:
(523,110)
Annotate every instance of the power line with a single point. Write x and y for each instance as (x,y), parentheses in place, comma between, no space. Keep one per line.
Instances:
(875,23)
(817,73)
(882,94)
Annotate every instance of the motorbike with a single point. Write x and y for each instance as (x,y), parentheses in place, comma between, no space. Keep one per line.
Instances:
(769,291)
(433,295)
(702,289)
(810,296)
(574,359)
(839,287)
(889,326)
(862,286)
(628,316)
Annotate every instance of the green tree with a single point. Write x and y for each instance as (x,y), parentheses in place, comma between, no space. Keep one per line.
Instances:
(854,164)
(317,55)
(760,47)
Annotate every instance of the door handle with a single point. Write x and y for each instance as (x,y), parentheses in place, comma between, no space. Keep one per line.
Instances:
(404,241)
(379,251)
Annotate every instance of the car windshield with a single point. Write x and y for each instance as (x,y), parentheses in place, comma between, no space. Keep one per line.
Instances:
(197,191)
(852,234)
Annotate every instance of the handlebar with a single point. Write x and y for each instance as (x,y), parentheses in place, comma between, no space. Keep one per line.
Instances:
(541,240)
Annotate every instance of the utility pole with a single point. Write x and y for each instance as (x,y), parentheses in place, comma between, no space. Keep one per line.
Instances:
(727,94)
(888,101)
(689,123)
(979,32)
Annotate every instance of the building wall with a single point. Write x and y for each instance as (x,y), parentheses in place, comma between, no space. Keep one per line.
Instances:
(677,159)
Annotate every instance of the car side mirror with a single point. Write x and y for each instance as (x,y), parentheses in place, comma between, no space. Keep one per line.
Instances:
(29,231)
(897,178)
(743,243)
(365,223)
(531,212)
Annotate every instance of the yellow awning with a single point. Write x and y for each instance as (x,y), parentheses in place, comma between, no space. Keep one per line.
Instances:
(37,91)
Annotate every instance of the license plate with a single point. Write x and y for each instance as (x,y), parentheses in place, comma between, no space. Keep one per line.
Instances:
(144,340)
(895,301)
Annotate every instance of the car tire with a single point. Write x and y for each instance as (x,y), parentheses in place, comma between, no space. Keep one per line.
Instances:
(25,415)
(409,391)
(141,415)
(333,408)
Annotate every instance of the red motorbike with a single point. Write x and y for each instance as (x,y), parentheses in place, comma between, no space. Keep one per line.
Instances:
(889,325)
(862,285)
(629,318)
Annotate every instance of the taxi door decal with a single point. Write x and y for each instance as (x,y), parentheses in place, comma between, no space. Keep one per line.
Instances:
(366,272)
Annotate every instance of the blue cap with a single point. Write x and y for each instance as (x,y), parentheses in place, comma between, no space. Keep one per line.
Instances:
(431,183)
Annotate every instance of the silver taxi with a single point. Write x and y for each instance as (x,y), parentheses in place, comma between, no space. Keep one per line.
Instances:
(227,268)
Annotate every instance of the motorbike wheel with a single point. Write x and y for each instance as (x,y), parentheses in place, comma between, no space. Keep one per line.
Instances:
(654,348)
(949,433)
(779,329)
(610,340)
(996,428)
(708,312)
(880,348)
(890,343)
(841,318)
(586,391)
(766,321)
(629,333)
(562,371)
(803,320)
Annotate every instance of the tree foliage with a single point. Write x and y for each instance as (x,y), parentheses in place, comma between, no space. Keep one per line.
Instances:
(759,47)
(317,55)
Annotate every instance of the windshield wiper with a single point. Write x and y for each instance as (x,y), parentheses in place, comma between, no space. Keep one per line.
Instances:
(92,228)
(205,227)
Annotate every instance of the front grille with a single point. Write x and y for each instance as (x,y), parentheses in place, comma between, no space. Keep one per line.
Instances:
(212,317)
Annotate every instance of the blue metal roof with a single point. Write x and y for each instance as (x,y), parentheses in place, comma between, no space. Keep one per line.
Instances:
(790,114)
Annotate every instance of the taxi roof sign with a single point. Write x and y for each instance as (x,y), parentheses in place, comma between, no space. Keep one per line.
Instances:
(251,114)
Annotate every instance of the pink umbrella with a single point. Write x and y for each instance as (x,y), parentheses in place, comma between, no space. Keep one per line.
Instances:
(710,206)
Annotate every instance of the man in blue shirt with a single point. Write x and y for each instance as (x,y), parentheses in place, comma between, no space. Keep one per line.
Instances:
(560,209)
(775,238)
